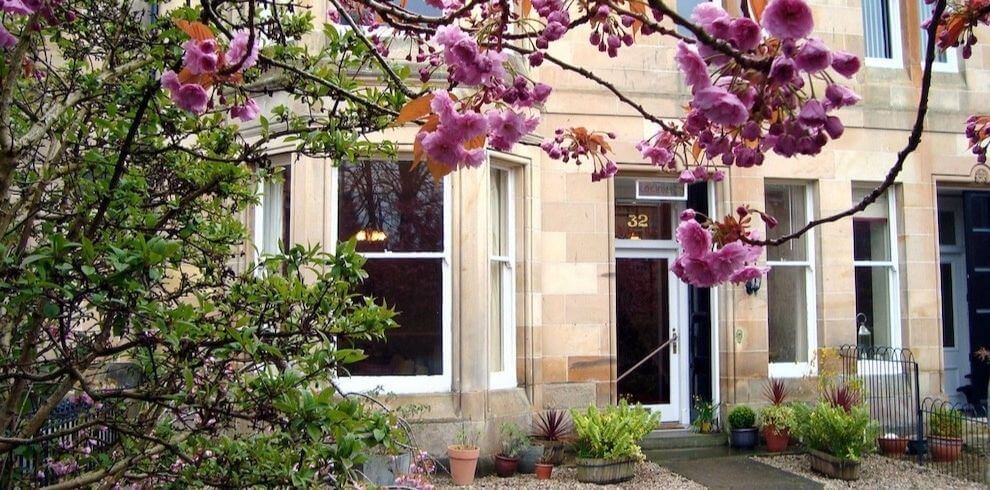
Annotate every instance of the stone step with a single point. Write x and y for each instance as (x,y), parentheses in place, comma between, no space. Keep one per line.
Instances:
(681,439)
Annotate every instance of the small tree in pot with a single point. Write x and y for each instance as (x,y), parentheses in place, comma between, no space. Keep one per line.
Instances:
(778,418)
(513,442)
(742,421)
(554,429)
(945,434)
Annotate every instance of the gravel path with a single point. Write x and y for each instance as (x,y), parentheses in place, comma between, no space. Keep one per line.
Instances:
(648,475)
(877,472)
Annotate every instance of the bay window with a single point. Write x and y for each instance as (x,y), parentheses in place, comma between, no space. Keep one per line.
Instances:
(790,284)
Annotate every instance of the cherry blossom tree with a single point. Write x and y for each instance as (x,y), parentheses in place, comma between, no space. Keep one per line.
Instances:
(133,137)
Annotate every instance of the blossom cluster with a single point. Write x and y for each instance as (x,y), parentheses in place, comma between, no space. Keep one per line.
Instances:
(978,135)
(713,253)
(205,65)
(578,144)
(420,470)
(47,10)
(758,101)
(957,24)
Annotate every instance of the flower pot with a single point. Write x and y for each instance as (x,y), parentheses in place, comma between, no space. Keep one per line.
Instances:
(945,449)
(543,471)
(555,449)
(892,446)
(529,457)
(832,466)
(777,439)
(744,438)
(505,466)
(383,469)
(603,471)
(463,462)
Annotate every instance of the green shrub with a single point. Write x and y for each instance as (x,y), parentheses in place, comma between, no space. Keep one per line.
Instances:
(742,417)
(781,417)
(945,422)
(845,435)
(514,440)
(613,432)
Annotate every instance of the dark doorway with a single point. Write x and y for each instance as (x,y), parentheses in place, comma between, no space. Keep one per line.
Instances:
(700,318)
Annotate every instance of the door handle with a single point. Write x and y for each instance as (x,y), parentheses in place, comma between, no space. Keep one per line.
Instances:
(673,342)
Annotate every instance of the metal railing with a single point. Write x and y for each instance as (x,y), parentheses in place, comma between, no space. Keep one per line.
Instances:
(958,440)
(673,338)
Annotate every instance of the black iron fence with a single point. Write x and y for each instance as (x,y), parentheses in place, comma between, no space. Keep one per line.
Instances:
(952,439)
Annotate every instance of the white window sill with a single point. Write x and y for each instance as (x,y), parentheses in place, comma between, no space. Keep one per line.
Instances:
(790,369)
(892,63)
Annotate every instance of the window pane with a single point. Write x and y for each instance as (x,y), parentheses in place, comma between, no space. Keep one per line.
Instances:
(946,228)
(640,220)
(925,13)
(871,227)
(787,305)
(496,320)
(873,301)
(276,212)
(786,202)
(414,289)
(876,29)
(390,206)
(948,308)
(497,210)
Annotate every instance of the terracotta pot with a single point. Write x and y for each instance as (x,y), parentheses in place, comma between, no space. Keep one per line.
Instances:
(833,467)
(463,462)
(543,471)
(892,446)
(505,466)
(777,440)
(945,449)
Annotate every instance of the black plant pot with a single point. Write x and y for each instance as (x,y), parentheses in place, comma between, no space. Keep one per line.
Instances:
(744,438)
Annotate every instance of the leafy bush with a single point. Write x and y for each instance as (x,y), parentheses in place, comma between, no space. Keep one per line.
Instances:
(613,432)
(833,430)
(742,417)
(706,420)
(945,422)
(780,417)
(513,441)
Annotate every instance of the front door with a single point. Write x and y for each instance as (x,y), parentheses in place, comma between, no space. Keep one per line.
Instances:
(648,296)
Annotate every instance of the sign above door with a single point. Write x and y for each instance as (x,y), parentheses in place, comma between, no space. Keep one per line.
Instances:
(660,190)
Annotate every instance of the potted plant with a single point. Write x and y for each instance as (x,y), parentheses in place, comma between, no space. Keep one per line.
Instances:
(945,434)
(553,429)
(463,456)
(608,441)
(389,457)
(706,416)
(742,421)
(777,419)
(513,441)
(837,439)
(777,422)
(545,467)
(892,444)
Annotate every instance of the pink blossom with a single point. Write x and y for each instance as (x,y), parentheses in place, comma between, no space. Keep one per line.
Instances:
(788,19)
(745,33)
(694,238)
(834,127)
(468,63)
(507,127)
(782,70)
(839,96)
(845,64)
(814,56)
(239,50)
(20,7)
(608,169)
(692,65)
(812,114)
(688,214)
(247,111)
(707,13)
(201,56)
(7,40)
(747,273)
(188,96)
(687,177)
(720,106)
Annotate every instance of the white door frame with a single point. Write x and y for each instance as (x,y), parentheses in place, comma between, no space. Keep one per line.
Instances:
(678,409)
(955,360)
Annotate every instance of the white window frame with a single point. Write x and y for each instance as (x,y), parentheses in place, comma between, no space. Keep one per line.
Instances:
(261,224)
(893,279)
(506,378)
(438,383)
(896,39)
(800,369)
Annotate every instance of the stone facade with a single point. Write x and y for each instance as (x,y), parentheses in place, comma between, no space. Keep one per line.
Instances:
(565,260)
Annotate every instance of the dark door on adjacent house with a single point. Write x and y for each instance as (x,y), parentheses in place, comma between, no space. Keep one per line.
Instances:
(977,232)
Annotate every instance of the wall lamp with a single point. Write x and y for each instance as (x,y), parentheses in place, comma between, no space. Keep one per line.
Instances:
(753,285)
